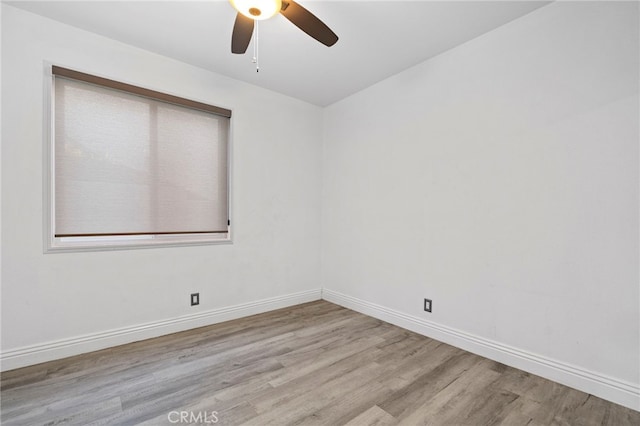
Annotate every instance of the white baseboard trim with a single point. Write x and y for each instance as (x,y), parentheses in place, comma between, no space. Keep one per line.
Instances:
(609,388)
(35,354)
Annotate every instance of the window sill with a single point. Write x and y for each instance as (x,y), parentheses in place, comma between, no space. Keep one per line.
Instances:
(82,244)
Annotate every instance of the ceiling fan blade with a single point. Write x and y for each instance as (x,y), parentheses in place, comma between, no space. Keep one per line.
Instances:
(242,32)
(308,22)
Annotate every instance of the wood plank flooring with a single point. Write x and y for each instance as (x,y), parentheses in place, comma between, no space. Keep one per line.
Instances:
(311,364)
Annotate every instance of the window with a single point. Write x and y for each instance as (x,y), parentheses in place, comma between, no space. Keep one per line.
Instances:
(134,167)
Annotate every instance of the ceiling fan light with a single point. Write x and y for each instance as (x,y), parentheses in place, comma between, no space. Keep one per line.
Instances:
(257,9)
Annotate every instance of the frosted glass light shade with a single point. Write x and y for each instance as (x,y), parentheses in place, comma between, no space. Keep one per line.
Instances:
(257,9)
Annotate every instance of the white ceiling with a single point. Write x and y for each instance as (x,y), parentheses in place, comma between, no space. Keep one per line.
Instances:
(377,38)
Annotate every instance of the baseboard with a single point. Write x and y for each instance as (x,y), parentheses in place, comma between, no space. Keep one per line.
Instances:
(609,388)
(35,354)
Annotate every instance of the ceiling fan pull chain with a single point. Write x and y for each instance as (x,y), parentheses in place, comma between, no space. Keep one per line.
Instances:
(255,49)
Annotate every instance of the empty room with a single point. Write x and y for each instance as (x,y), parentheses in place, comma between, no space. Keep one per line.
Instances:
(277,212)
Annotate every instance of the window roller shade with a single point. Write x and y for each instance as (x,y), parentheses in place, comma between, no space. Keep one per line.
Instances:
(129,164)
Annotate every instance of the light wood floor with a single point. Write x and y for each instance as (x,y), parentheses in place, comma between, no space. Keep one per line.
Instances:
(311,364)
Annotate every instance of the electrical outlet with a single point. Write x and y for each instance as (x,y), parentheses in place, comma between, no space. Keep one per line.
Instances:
(427,305)
(195,299)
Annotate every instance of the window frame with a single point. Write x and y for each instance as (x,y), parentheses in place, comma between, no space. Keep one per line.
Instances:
(53,244)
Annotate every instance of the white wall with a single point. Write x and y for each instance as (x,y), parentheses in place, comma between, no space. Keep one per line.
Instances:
(500,179)
(51,299)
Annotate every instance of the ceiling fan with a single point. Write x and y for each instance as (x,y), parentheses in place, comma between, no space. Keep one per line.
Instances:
(251,10)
